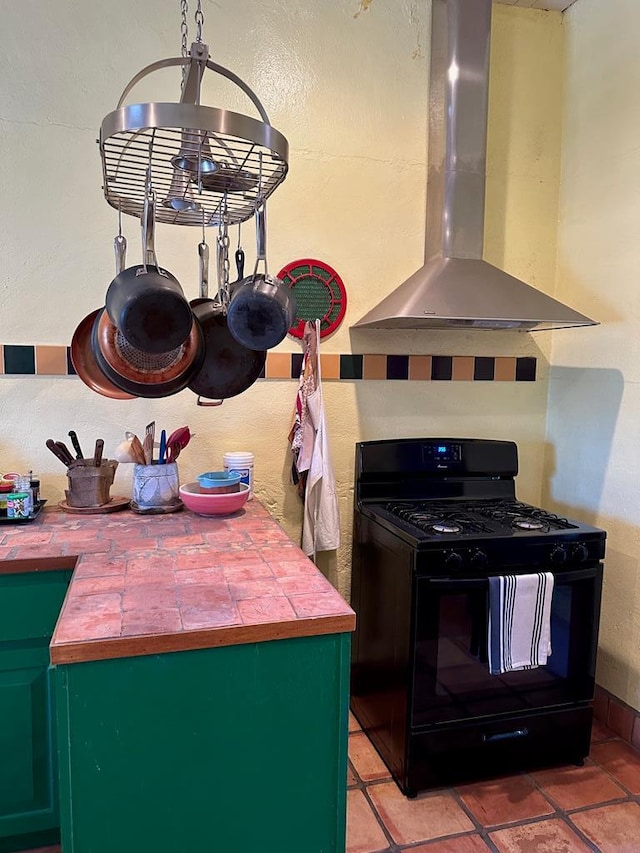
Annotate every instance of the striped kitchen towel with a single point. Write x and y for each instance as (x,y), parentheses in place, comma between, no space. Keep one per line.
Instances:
(519,621)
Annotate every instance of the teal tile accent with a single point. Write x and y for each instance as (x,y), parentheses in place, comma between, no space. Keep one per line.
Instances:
(350,367)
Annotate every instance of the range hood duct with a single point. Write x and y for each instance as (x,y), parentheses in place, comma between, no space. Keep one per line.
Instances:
(456,288)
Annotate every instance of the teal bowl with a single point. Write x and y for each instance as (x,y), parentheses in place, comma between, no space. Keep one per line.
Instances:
(219,482)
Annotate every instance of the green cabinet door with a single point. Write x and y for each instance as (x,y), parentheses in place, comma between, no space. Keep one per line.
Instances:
(236,749)
(29,606)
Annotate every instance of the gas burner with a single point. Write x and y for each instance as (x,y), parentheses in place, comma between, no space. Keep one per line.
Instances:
(528,523)
(437,518)
(521,516)
(446,527)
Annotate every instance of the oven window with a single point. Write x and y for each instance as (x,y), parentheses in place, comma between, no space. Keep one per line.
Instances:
(451,672)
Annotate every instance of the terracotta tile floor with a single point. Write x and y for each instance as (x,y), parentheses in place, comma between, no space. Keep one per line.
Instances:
(590,809)
(564,810)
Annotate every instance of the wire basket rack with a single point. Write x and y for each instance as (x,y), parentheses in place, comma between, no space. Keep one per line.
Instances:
(206,164)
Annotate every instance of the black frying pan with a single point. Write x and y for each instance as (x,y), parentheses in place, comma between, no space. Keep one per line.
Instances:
(146,302)
(228,368)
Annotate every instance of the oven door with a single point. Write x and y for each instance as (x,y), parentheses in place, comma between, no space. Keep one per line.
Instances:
(451,679)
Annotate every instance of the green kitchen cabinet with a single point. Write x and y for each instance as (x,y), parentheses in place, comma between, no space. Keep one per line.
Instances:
(29,605)
(237,748)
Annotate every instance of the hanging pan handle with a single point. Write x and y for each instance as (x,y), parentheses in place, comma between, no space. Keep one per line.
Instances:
(203,262)
(120,247)
(200,402)
(261,236)
(148,230)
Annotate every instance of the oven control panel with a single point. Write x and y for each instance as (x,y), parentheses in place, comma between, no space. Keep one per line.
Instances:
(441,454)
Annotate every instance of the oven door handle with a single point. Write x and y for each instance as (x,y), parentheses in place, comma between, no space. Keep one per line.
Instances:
(479,583)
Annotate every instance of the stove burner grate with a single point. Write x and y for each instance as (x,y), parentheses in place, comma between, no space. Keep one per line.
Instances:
(439,519)
(521,516)
(463,518)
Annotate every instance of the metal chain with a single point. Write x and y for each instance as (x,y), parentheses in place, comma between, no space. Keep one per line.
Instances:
(184,29)
(223,257)
(199,22)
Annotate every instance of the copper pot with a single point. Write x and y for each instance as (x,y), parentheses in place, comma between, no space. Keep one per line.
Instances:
(86,366)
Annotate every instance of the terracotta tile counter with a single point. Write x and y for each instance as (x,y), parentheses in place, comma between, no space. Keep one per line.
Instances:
(144,584)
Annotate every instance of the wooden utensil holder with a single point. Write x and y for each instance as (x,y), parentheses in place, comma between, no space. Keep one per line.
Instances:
(90,485)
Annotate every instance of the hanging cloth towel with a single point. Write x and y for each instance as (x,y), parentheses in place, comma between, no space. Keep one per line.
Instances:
(321,524)
(302,432)
(519,621)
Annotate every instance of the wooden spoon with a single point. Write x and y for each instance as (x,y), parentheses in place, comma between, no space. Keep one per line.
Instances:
(137,450)
(147,446)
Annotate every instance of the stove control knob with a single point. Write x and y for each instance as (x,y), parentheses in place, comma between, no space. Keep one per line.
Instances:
(558,556)
(579,552)
(479,560)
(453,560)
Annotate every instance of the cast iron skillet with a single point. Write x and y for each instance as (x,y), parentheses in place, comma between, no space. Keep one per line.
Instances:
(228,367)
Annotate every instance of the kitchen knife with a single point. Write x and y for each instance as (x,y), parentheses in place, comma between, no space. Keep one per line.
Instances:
(64,450)
(53,447)
(76,444)
(97,453)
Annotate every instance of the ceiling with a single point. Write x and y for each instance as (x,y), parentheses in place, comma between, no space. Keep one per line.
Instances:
(556,5)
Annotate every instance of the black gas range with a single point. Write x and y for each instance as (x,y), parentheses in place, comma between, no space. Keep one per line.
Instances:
(433,520)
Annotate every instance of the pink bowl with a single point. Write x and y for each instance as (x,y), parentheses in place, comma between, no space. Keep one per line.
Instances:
(211,504)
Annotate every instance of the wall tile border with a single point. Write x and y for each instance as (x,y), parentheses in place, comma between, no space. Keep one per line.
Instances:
(47,360)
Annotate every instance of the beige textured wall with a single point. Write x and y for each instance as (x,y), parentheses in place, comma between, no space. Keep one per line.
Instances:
(349,91)
(594,394)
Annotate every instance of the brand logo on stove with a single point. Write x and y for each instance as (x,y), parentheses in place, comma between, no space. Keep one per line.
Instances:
(442,466)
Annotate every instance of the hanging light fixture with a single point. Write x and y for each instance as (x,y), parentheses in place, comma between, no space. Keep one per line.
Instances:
(223,157)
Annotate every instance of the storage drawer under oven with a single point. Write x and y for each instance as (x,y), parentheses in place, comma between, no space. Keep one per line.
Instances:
(448,755)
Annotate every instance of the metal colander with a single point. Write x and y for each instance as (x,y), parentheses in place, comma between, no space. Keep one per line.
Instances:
(146,362)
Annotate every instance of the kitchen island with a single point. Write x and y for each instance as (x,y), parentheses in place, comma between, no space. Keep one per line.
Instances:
(199,672)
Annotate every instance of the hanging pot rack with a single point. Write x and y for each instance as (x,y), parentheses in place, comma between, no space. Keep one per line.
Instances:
(207,164)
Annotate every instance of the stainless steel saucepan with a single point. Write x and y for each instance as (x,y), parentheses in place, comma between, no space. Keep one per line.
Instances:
(262,308)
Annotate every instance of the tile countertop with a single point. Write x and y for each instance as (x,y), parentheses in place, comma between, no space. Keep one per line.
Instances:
(145,584)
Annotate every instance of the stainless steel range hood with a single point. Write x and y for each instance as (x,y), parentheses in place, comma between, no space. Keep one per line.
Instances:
(456,288)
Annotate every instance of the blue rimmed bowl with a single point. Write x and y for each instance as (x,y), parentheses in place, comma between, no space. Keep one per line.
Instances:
(219,482)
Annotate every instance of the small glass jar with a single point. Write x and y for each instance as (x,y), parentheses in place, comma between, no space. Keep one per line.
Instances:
(22,485)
